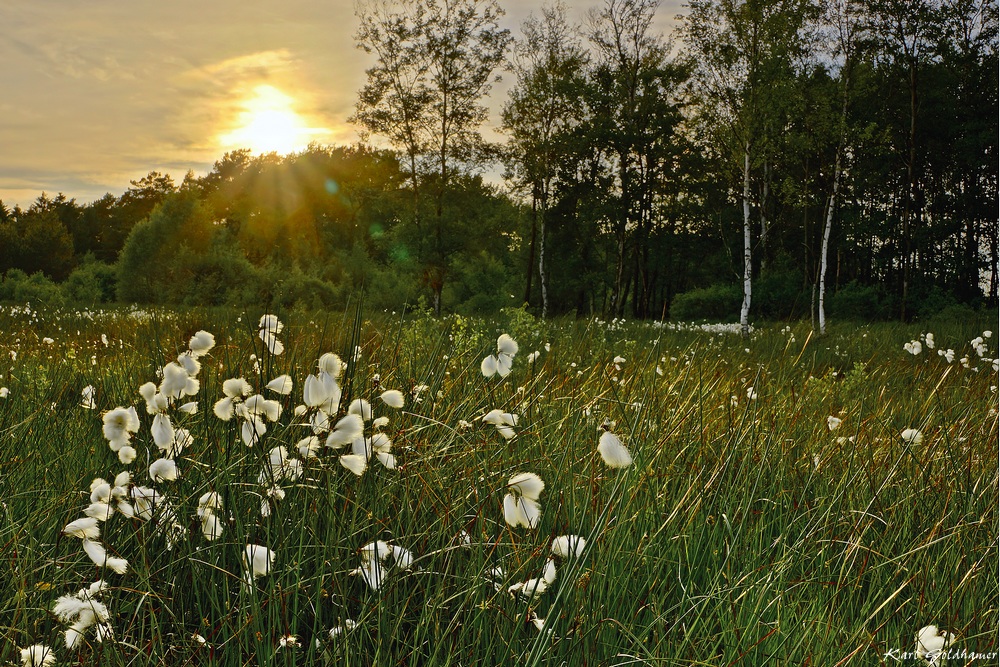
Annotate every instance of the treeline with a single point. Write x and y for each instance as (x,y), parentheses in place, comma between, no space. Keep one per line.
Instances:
(796,157)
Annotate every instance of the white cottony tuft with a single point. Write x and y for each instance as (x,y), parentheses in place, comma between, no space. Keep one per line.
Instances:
(37,655)
(393,398)
(87,397)
(931,644)
(912,436)
(566,546)
(257,561)
(613,452)
(201,343)
(281,385)
(833,423)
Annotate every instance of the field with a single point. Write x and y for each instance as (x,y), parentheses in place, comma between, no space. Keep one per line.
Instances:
(778,509)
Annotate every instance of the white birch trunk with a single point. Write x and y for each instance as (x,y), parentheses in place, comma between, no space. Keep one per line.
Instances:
(747,264)
(826,244)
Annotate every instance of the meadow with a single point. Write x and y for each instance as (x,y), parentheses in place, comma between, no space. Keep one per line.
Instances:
(782,500)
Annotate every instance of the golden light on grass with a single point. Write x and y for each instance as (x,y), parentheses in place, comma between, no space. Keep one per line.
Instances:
(268,122)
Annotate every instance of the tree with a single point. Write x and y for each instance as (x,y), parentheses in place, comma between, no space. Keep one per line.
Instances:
(434,66)
(743,53)
(542,107)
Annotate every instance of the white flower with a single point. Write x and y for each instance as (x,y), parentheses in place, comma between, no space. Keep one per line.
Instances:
(87,397)
(914,347)
(833,423)
(257,561)
(201,343)
(119,425)
(347,626)
(360,406)
(520,506)
(931,643)
(566,546)
(281,385)
(269,328)
(4,392)
(84,528)
(189,408)
(356,463)
(393,398)
(37,655)
(912,436)
(529,589)
(99,555)
(47,340)
(503,361)
(163,470)
(613,452)
(345,431)
(751,394)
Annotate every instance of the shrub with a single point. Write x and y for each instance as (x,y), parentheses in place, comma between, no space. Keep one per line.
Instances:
(36,288)
(90,283)
(855,301)
(718,302)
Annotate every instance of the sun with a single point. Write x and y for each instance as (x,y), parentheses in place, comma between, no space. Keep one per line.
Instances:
(269,123)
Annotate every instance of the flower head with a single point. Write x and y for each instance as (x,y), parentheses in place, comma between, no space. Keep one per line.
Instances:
(931,644)
(257,561)
(613,452)
(912,436)
(833,423)
(37,655)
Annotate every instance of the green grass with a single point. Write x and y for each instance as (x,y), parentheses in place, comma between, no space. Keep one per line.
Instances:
(746,533)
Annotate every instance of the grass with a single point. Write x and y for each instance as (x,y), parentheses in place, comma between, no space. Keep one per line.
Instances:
(746,533)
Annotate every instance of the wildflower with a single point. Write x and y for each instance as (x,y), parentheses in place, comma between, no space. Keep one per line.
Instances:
(566,546)
(84,528)
(281,385)
(270,327)
(177,382)
(949,355)
(119,425)
(378,558)
(345,431)
(4,392)
(613,452)
(502,362)
(503,421)
(931,644)
(520,505)
(929,341)
(618,361)
(208,505)
(288,641)
(356,463)
(163,470)
(529,589)
(912,436)
(346,626)
(37,655)
(84,611)
(393,398)
(99,555)
(534,356)
(833,423)
(360,406)
(257,562)
(47,340)
(751,394)
(913,347)
(87,398)
(201,343)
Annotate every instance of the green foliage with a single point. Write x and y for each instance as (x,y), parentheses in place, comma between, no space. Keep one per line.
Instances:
(719,303)
(37,289)
(92,282)
(858,302)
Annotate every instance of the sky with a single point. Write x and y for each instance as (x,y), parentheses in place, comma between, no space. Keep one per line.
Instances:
(95,94)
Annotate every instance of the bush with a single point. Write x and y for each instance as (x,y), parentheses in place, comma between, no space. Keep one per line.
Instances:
(91,283)
(718,303)
(780,295)
(36,288)
(854,301)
